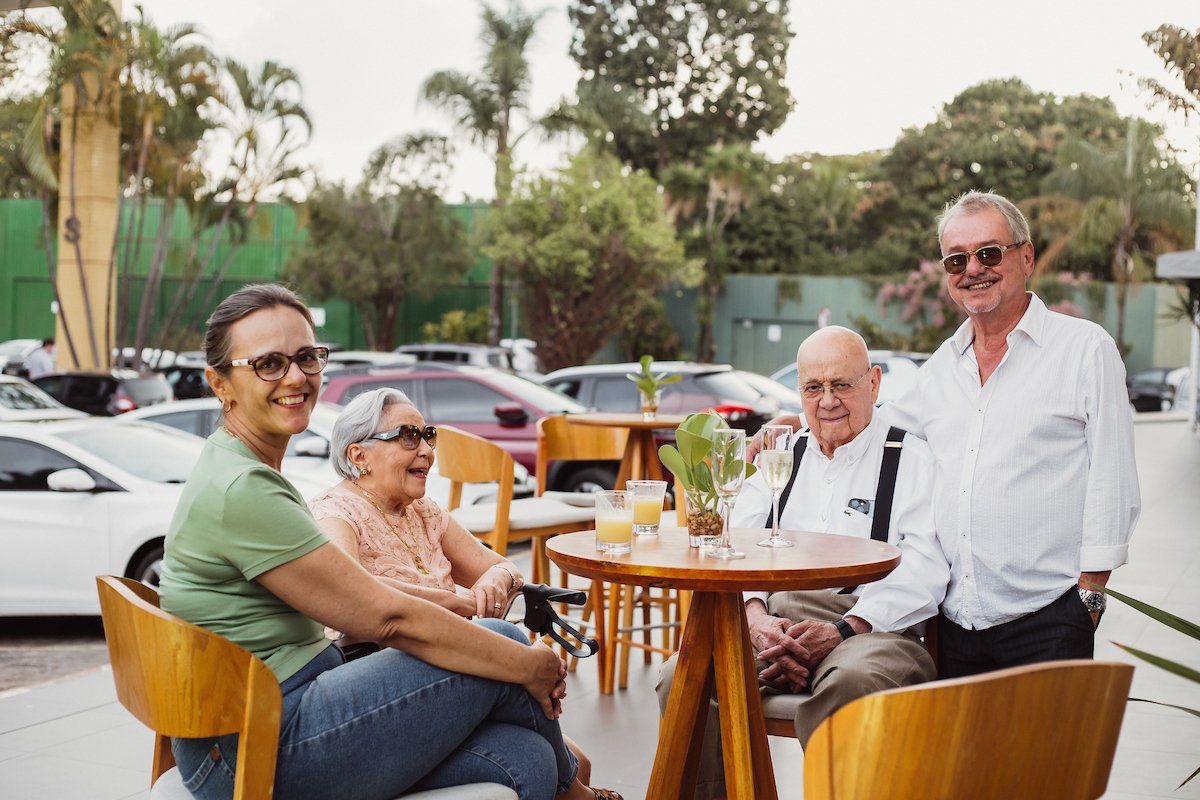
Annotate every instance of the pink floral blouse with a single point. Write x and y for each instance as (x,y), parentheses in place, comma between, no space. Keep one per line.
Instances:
(380,552)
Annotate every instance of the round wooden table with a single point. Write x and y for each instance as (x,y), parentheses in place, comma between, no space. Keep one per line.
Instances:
(716,639)
(640,461)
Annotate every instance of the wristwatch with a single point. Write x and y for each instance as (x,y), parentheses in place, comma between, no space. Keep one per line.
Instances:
(845,629)
(1092,600)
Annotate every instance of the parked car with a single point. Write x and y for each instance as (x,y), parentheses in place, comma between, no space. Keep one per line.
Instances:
(787,399)
(492,403)
(899,370)
(13,354)
(343,359)
(21,401)
(307,455)
(106,393)
(480,355)
(1153,389)
(604,387)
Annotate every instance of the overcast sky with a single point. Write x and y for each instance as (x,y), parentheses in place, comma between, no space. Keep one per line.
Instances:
(861,70)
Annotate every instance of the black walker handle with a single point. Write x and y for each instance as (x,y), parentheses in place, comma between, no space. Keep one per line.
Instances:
(541,618)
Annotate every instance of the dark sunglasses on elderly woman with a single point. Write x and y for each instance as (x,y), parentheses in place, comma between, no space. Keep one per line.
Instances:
(990,256)
(409,436)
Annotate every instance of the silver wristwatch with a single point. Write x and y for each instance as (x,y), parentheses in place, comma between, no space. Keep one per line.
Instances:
(1092,600)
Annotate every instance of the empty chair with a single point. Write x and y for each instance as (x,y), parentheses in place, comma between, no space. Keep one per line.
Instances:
(1043,730)
(182,680)
(466,458)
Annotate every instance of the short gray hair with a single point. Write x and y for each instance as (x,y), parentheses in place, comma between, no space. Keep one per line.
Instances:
(358,420)
(973,202)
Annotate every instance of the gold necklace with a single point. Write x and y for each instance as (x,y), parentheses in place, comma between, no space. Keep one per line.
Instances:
(410,546)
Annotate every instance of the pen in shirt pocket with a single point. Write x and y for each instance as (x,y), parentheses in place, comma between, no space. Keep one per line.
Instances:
(858,504)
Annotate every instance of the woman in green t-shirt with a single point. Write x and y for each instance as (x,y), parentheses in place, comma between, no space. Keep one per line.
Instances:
(446,702)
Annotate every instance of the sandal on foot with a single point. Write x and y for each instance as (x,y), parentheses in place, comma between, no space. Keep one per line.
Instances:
(607,794)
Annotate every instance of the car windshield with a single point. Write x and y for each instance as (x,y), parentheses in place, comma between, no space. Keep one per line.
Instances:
(20,397)
(727,387)
(147,451)
(535,394)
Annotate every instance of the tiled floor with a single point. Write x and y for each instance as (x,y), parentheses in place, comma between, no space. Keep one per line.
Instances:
(70,740)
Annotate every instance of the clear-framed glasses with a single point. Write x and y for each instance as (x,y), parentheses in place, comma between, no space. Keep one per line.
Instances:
(273,366)
(841,389)
(989,256)
(409,436)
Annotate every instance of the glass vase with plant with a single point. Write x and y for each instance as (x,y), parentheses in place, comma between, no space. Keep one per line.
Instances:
(690,459)
(650,385)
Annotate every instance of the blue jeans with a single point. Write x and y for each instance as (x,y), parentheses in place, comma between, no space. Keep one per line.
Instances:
(390,723)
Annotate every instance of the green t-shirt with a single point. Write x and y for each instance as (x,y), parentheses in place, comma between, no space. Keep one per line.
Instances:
(236,519)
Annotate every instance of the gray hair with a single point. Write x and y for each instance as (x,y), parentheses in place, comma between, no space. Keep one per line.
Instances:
(974,201)
(358,420)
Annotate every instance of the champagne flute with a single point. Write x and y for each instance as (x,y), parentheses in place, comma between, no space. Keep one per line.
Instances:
(775,461)
(729,471)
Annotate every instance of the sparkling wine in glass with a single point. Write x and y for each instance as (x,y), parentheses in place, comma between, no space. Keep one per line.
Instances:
(729,472)
(775,461)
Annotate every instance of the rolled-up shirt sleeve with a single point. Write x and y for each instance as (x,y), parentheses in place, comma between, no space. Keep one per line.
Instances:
(1113,501)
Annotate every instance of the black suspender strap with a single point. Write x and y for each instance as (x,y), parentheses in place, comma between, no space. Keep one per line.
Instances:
(798,449)
(885,489)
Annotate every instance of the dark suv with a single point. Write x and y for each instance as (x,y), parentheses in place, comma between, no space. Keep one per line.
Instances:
(604,387)
(497,405)
(106,394)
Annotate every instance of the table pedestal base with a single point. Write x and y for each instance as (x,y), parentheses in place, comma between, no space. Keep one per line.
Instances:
(715,649)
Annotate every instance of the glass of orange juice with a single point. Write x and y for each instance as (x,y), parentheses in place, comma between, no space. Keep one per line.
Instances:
(647,505)
(614,522)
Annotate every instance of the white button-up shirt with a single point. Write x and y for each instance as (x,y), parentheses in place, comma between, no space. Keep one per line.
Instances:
(1036,480)
(820,501)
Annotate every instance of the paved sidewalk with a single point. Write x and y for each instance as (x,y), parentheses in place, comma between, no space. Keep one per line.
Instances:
(71,740)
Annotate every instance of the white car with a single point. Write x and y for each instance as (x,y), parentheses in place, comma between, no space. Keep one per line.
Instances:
(21,401)
(14,352)
(899,372)
(307,456)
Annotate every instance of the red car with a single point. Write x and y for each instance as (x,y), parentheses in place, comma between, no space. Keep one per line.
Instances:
(497,405)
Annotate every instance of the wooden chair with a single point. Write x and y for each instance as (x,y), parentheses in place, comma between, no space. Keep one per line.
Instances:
(466,458)
(182,680)
(1043,730)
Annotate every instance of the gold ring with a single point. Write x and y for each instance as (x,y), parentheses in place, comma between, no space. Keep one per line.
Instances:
(497,605)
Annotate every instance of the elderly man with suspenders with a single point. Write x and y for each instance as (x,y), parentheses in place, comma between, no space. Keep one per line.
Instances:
(852,476)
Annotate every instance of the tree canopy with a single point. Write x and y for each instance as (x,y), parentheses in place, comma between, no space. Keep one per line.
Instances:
(591,247)
(674,78)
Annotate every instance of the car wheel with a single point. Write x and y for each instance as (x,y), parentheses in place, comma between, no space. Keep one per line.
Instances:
(148,568)
(590,479)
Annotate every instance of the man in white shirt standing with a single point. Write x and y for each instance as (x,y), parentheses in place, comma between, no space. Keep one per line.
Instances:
(820,649)
(1027,416)
(41,361)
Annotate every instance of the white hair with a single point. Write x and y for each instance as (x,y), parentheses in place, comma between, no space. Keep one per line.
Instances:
(974,201)
(358,420)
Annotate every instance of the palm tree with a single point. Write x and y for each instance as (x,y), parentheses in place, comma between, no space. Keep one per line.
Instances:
(485,106)
(1127,197)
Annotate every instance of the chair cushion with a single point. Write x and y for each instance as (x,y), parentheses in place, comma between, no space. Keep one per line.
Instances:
(529,512)
(169,786)
(581,499)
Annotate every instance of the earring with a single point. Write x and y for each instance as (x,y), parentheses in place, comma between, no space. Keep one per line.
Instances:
(226,406)
(365,469)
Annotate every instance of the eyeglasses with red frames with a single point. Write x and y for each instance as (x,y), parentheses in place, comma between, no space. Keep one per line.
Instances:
(273,366)
(988,255)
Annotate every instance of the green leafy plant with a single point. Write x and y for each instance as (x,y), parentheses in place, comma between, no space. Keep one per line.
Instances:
(647,382)
(1182,670)
(690,460)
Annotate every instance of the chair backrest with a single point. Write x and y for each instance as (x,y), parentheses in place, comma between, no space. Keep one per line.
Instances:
(1043,730)
(559,440)
(466,458)
(182,680)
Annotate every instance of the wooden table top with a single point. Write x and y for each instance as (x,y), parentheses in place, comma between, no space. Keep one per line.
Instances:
(818,561)
(631,421)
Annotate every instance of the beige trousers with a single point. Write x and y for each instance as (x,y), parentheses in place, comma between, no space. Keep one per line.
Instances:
(860,665)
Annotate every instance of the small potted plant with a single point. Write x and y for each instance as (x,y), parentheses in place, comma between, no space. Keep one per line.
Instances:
(690,461)
(650,385)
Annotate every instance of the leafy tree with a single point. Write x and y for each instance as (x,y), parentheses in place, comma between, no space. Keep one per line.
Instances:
(1128,197)
(591,246)
(704,200)
(487,106)
(673,78)
(15,114)
(372,248)
(999,135)
(458,326)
